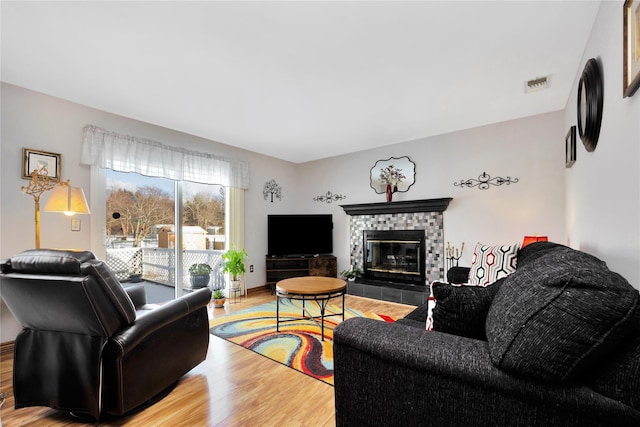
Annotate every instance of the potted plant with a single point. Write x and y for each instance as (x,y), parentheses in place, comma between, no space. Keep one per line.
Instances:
(218,298)
(233,263)
(351,274)
(200,274)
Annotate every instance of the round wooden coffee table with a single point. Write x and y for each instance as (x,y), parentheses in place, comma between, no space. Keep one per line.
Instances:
(310,288)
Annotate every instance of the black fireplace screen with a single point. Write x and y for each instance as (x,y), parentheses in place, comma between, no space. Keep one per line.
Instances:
(394,256)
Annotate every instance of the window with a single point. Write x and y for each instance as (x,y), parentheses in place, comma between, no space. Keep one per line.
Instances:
(141,234)
(107,150)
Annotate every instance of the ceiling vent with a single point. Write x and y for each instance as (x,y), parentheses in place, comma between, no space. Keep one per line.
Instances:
(536,84)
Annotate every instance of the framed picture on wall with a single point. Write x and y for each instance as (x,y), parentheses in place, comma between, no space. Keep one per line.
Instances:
(631,46)
(37,160)
(570,147)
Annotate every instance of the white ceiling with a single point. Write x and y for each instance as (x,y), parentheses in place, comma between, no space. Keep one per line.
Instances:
(300,80)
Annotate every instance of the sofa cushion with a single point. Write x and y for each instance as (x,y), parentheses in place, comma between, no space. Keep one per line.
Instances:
(558,313)
(490,263)
(462,310)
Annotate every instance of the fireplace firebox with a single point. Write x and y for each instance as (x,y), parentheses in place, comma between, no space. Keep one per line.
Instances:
(396,256)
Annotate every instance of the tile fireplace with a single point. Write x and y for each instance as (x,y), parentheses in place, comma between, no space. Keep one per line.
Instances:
(400,248)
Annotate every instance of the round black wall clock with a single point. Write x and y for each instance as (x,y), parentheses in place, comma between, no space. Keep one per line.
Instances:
(590,95)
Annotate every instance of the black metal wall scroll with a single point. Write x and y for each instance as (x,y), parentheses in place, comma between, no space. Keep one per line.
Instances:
(485,181)
(329,197)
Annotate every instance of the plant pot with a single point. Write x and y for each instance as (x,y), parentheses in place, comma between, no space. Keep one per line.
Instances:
(199,280)
(219,303)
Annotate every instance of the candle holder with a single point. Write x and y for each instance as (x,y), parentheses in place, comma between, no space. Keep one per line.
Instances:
(453,255)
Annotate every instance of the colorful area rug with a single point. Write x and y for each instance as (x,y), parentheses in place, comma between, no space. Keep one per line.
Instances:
(298,345)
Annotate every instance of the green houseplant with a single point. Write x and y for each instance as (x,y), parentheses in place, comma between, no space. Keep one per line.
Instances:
(233,263)
(200,275)
(351,274)
(218,298)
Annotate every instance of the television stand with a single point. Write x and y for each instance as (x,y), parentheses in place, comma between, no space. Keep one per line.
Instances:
(280,268)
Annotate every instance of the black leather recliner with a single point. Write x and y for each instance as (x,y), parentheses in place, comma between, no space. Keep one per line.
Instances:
(85,347)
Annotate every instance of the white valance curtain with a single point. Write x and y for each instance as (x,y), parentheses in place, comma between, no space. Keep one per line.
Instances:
(126,153)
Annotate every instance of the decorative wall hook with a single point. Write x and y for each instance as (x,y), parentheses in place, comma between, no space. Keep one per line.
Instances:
(329,197)
(484,181)
(272,188)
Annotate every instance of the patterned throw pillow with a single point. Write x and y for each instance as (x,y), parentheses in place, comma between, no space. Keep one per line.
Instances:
(490,263)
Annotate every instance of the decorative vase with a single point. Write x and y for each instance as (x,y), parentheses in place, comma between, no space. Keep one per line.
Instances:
(389,193)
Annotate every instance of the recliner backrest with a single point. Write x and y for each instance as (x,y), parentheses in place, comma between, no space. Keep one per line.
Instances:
(71,291)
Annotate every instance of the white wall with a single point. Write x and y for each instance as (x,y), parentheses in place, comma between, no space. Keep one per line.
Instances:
(603,191)
(34,120)
(530,149)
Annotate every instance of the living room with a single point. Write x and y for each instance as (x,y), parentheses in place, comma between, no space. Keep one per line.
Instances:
(593,206)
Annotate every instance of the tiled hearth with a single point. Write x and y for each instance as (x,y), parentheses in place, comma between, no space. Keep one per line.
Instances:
(412,215)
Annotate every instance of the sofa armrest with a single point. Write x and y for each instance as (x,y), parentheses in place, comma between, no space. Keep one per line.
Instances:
(391,374)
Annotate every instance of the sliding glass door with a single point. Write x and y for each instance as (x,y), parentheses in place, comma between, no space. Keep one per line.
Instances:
(144,245)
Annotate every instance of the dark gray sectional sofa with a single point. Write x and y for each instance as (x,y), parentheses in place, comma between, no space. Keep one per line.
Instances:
(557,343)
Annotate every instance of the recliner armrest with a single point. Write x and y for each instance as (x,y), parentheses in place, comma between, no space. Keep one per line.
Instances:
(158,348)
(155,319)
(137,294)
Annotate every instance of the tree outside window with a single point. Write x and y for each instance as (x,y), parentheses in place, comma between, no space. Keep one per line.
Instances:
(136,213)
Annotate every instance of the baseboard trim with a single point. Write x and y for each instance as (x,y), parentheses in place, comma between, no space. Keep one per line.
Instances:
(7,347)
(258,289)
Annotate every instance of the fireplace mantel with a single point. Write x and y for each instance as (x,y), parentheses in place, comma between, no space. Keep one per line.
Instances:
(426,205)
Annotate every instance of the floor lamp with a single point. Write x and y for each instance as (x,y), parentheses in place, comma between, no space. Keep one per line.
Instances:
(64,198)
(68,200)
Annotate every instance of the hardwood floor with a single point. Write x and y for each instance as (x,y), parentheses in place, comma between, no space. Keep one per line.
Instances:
(232,387)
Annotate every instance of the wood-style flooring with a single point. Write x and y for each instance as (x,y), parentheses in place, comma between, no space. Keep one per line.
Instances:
(232,387)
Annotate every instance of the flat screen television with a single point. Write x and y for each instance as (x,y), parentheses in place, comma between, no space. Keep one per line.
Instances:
(300,235)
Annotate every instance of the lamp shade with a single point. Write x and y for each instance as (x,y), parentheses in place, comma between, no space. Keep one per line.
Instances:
(532,239)
(67,199)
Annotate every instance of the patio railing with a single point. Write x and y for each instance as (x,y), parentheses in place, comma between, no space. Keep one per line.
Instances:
(158,265)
